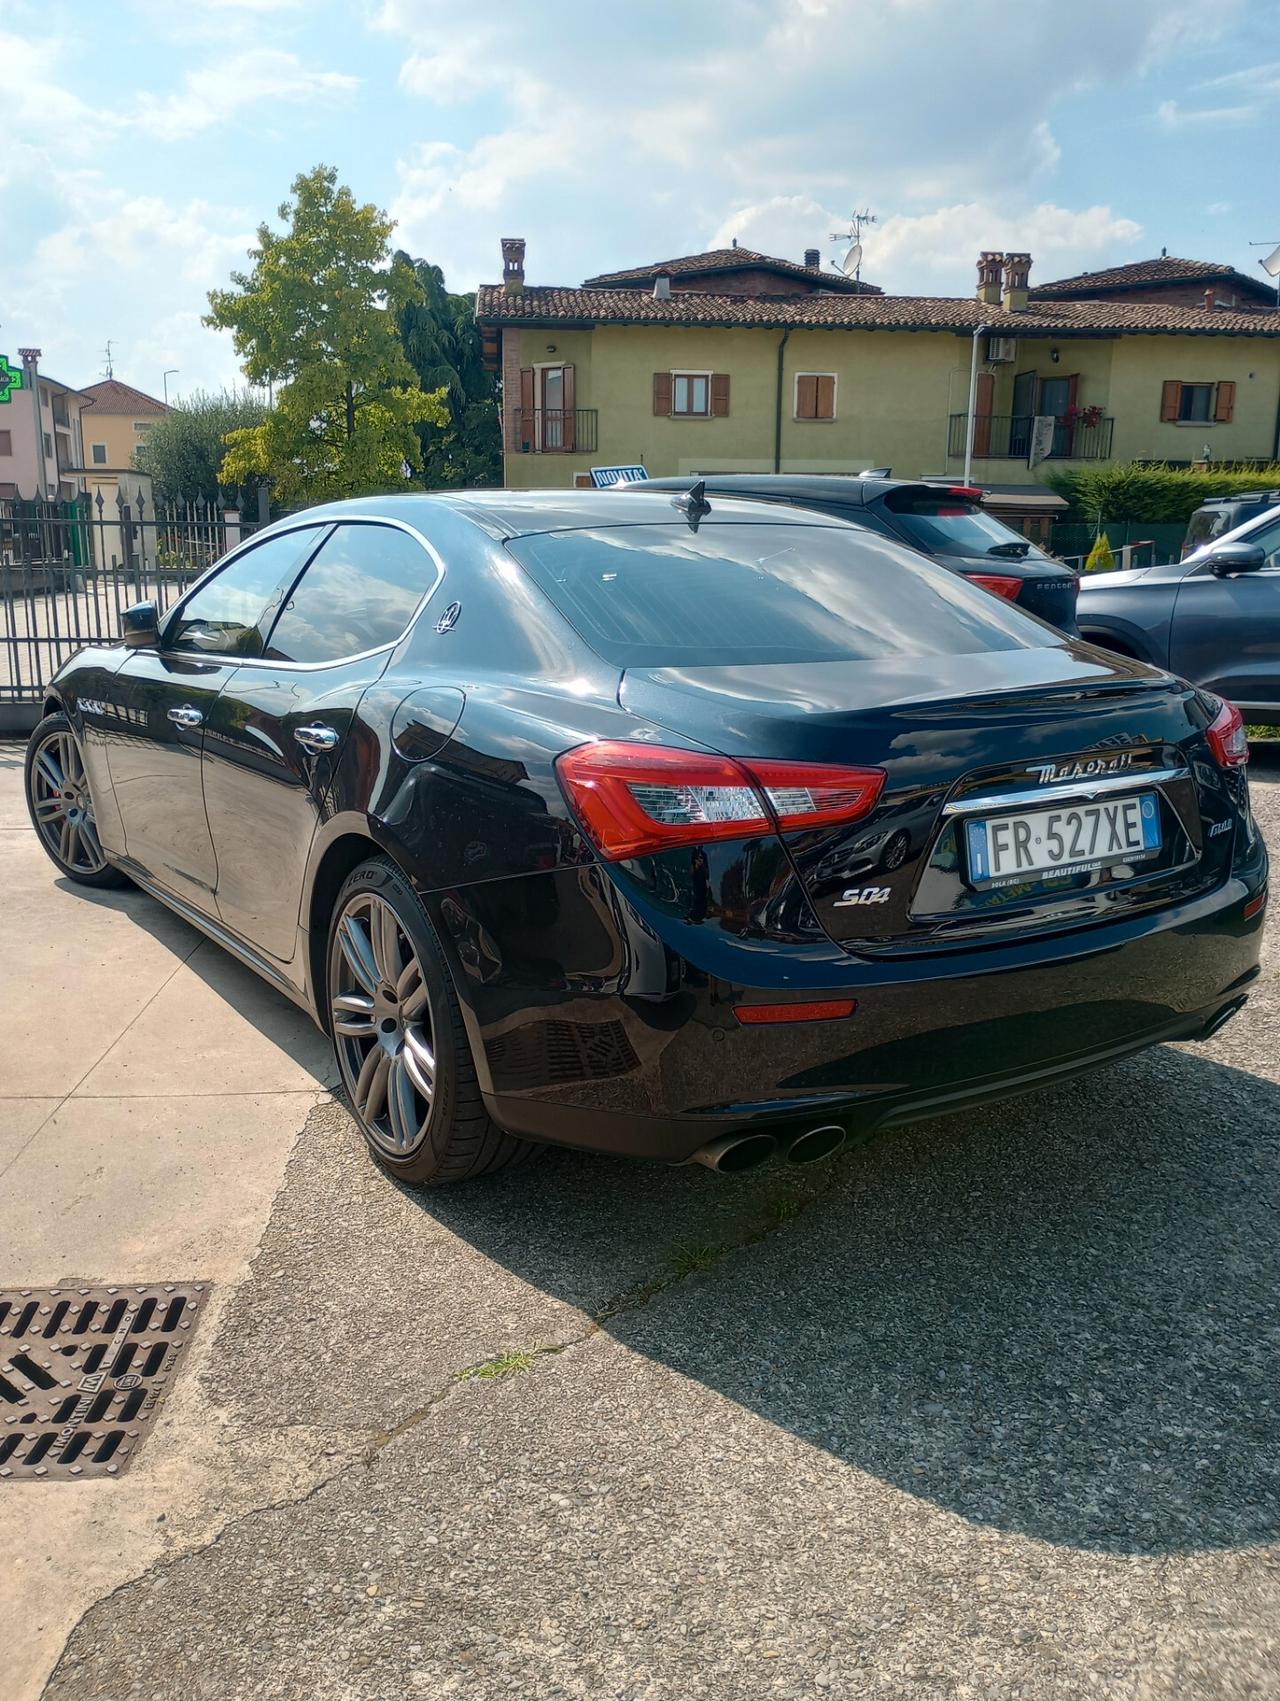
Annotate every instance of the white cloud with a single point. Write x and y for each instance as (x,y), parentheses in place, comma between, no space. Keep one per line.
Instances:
(1171,116)
(215,93)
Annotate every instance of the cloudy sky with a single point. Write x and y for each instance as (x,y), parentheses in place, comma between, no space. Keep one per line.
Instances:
(142,142)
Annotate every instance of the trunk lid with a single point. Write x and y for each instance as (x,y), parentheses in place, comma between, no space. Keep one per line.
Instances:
(964,738)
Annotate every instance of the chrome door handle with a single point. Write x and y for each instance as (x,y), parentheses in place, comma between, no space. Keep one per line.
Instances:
(316,738)
(186,716)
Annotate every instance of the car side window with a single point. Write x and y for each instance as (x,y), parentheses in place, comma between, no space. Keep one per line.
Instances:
(1269,538)
(359,593)
(228,615)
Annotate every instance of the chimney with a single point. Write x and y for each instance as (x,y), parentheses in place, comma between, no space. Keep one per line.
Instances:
(662,287)
(513,264)
(990,266)
(813,258)
(1017,271)
(1210,301)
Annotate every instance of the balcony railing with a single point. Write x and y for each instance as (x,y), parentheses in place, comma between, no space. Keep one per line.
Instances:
(553,431)
(1007,437)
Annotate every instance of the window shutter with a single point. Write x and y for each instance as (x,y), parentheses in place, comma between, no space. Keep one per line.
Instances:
(1170,399)
(662,393)
(524,433)
(1225,406)
(806,396)
(983,397)
(719,395)
(567,386)
(825,405)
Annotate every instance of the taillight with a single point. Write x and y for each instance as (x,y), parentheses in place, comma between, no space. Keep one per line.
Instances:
(634,799)
(1002,584)
(1227,737)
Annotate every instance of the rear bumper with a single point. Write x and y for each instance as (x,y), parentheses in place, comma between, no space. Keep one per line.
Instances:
(657,1074)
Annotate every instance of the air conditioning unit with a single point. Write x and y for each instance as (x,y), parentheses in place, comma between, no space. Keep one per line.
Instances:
(1001,350)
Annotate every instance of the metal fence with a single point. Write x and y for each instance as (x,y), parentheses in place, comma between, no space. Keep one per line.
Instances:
(1145,543)
(68,570)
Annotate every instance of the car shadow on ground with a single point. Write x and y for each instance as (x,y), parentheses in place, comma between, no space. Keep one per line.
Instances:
(1055,1317)
(1058,1317)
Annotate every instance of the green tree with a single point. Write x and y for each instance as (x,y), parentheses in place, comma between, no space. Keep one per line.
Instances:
(441,340)
(184,449)
(316,317)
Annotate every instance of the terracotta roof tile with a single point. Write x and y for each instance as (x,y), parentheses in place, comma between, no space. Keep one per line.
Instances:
(551,306)
(730,260)
(1165,269)
(111,396)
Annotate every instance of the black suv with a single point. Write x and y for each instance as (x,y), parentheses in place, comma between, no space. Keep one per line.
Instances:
(946,522)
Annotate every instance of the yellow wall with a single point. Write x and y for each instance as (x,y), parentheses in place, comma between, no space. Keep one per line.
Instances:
(896,390)
(116,430)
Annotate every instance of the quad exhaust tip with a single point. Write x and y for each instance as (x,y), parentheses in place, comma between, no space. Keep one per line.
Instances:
(734,1154)
(815,1144)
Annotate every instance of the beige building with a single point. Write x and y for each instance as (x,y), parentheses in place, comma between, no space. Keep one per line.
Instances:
(40,432)
(117,419)
(737,362)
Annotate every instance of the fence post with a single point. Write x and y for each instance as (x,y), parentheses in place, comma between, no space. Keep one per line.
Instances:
(264,505)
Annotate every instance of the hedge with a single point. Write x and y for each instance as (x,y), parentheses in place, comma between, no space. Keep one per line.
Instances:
(1151,494)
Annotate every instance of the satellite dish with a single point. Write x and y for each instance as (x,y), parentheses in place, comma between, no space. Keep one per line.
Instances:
(1271,265)
(853,259)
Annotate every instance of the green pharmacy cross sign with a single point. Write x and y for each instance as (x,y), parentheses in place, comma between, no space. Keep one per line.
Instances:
(10,378)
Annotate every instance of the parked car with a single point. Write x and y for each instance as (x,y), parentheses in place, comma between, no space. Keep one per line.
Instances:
(1223,514)
(683,830)
(1214,617)
(945,522)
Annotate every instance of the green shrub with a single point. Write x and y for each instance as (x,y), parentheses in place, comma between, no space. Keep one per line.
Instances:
(1151,495)
(1100,558)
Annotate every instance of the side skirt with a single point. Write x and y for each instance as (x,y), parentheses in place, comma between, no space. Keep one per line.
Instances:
(219,934)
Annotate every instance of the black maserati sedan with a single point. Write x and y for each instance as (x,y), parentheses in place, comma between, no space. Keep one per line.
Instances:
(567,819)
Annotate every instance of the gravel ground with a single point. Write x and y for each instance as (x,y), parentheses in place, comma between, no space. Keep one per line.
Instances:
(986,1409)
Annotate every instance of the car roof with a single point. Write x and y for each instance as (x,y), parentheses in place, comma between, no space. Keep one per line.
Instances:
(519,513)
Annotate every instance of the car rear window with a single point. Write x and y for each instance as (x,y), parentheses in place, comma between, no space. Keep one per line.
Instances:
(740,595)
(943,524)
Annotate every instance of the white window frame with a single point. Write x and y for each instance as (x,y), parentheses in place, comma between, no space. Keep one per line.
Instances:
(835,398)
(689,372)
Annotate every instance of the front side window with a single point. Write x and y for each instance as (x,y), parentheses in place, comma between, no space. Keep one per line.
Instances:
(228,614)
(691,393)
(359,593)
(1196,402)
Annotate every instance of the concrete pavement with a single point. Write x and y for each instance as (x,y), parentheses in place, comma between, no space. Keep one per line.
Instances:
(986,1409)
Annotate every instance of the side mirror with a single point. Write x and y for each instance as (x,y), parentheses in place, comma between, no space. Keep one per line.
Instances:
(140,626)
(1230,558)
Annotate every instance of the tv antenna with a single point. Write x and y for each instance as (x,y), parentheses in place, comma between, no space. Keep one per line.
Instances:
(1271,263)
(851,264)
(106,354)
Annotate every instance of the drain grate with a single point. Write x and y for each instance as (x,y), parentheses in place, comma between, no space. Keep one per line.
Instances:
(84,1372)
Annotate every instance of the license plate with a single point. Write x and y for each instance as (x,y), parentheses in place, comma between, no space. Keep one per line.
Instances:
(1070,839)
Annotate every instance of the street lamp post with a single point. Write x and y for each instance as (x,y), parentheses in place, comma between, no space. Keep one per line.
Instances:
(973,397)
(171,372)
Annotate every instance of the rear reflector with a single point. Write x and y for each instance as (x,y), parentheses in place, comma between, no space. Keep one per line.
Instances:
(635,799)
(1257,902)
(1227,737)
(1001,584)
(824,1010)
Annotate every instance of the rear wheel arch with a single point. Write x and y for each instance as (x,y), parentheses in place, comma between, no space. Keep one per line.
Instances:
(1110,641)
(340,858)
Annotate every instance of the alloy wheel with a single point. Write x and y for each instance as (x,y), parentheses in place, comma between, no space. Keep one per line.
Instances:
(382,1026)
(62,807)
